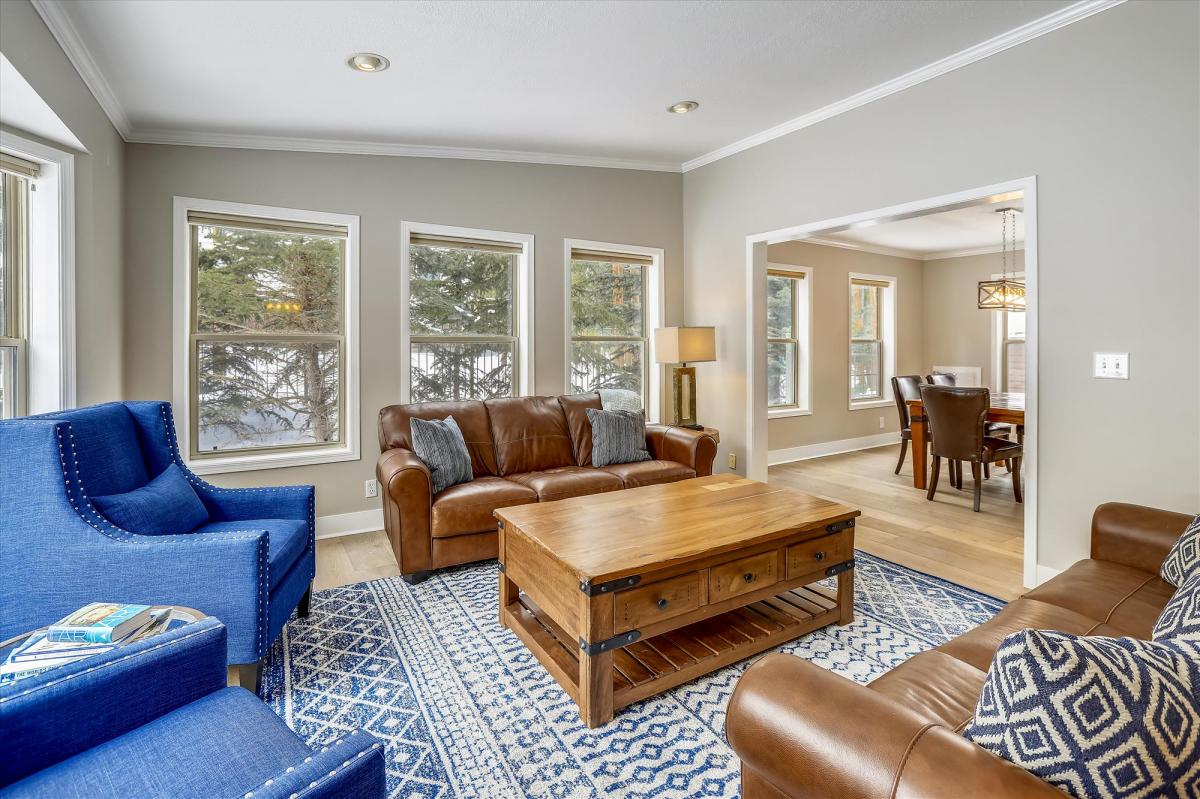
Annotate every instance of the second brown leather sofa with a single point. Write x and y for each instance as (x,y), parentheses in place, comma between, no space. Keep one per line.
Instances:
(523,449)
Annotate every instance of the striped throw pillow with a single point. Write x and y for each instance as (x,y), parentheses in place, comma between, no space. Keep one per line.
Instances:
(617,437)
(441,445)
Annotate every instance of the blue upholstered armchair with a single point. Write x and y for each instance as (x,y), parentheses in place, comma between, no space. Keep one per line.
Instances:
(154,720)
(250,564)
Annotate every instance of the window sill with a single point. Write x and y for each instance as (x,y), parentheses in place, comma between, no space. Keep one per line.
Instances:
(784,413)
(862,404)
(271,460)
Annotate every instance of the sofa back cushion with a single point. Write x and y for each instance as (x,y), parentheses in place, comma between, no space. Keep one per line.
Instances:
(108,448)
(471,418)
(530,434)
(575,408)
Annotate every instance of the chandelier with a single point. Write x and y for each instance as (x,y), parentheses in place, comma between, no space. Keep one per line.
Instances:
(1007,293)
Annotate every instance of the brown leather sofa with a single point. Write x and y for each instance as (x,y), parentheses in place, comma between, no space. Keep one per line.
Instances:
(802,731)
(523,449)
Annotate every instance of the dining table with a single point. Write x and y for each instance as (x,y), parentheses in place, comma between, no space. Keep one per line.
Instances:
(1003,408)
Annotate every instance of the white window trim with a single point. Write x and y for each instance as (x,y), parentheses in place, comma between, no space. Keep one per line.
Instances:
(182,310)
(998,340)
(655,313)
(51,279)
(525,300)
(888,322)
(804,300)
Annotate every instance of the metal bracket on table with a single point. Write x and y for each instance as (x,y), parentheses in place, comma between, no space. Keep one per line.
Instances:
(833,571)
(616,642)
(502,566)
(837,527)
(918,418)
(594,589)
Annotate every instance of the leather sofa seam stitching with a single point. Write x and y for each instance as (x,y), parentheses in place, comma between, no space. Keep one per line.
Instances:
(912,744)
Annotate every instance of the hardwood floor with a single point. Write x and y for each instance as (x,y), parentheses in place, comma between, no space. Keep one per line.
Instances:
(944,537)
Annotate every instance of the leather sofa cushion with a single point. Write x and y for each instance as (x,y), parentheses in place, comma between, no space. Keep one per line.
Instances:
(978,646)
(530,434)
(1123,597)
(575,408)
(648,473)
(940,687)
(467,507)
(568,481)
(471,418)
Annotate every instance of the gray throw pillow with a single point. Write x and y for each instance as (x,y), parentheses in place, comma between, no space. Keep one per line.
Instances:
(620,399)
(441,445)
(617,437)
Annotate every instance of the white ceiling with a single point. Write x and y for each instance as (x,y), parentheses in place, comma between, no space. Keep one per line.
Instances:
(578,79)
(963,231)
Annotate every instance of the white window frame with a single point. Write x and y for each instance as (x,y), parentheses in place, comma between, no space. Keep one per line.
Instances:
(523,303)
(655,305)
(182,310)
(997,383)
(887,322)
(804,337)
(50,282)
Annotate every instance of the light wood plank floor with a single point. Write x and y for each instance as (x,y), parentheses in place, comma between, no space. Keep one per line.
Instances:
(944,538)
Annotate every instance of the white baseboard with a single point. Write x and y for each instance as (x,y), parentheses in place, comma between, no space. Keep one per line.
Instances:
(363,521)
(778,456)
(1045,573)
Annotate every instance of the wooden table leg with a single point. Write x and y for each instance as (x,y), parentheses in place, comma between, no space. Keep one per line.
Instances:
(920,448)
(596,671)
(509,593)
(845,587)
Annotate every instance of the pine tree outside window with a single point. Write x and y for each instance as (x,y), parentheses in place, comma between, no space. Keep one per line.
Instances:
(866,340)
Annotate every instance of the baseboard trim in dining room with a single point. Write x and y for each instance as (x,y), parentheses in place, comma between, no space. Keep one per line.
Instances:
(776,457)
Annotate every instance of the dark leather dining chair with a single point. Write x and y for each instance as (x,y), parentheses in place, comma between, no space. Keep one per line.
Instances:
(905,388)
(997,429)
(957,416)
(941,379)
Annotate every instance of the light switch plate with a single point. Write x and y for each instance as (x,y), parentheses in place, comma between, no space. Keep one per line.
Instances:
(1110,365)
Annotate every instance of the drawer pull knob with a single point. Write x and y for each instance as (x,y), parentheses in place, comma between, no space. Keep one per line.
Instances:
(748,577)
(819,556)
(662,604)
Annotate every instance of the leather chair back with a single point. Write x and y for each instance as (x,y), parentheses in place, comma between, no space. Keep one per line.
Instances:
(905,388)
(472,420)
(530,434)
(956,417)
(941,379)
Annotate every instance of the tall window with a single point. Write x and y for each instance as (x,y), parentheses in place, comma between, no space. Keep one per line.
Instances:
(610,321)
(14,238)
(1012,352)
(784,330)
(268,347)
(866,339)
(463,317)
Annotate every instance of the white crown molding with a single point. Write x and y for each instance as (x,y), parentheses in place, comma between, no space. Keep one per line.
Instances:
(997,44)
(877,249)
(297,144)
(63,30)
(944,254)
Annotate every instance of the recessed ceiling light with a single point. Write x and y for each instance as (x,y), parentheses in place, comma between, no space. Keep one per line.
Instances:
(683,107)
(367,62)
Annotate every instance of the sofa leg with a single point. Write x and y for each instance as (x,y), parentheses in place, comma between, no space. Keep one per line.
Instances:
(416,578)
(250,675)
(305,606)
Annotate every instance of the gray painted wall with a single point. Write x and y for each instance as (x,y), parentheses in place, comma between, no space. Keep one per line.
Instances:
(551,202)
(1105,113)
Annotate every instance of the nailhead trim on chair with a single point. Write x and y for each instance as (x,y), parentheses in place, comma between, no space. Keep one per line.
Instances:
(315,783)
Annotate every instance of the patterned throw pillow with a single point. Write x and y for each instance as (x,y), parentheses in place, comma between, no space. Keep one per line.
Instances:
(617,437)
(441,445)
(1101,718)
(1179,623)
(1184,558)
(620,399)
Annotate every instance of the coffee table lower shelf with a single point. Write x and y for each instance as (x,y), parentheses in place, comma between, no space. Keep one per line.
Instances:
(652,665)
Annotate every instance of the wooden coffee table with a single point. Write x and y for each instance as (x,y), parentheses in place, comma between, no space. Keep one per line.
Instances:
(624,595)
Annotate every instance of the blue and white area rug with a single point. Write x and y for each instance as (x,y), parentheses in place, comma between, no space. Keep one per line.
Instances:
(467,711)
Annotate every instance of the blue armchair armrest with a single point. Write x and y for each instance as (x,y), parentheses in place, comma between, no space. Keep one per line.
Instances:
(243,504)
(55,715)
(351,767)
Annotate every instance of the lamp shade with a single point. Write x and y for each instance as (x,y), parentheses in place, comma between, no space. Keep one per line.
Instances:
(685,344)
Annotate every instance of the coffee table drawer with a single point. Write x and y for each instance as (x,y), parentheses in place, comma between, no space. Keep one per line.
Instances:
(743,575)
(658,601)
(819,553)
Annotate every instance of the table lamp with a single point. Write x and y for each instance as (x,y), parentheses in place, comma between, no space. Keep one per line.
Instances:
(681,346)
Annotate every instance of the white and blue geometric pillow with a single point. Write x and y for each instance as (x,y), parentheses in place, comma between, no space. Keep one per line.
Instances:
(1179,623)
(1095,717)
(1184,558)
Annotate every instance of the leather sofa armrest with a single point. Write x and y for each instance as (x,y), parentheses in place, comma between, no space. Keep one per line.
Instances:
(693,448)
(807,733)
(407,500)
(1134,535)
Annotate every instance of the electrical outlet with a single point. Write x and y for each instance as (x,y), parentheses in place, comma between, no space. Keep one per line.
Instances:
(733,460)
(881,423)
(371,488)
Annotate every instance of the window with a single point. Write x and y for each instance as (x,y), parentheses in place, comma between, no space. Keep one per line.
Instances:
(866,339)
(788,312)
(613,306)
(1013,352)
(14,239)
(466,332)
(269,348)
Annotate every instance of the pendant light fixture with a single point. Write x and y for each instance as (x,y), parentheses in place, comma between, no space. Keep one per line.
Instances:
(1007,293)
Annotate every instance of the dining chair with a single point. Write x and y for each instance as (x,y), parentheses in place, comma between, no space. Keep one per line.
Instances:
(996,429)
(957,416)
(941,379)
(905,388)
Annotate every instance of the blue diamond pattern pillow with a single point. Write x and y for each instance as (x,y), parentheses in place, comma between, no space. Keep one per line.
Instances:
(1179,623)
(1099,718)
(1184,558)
